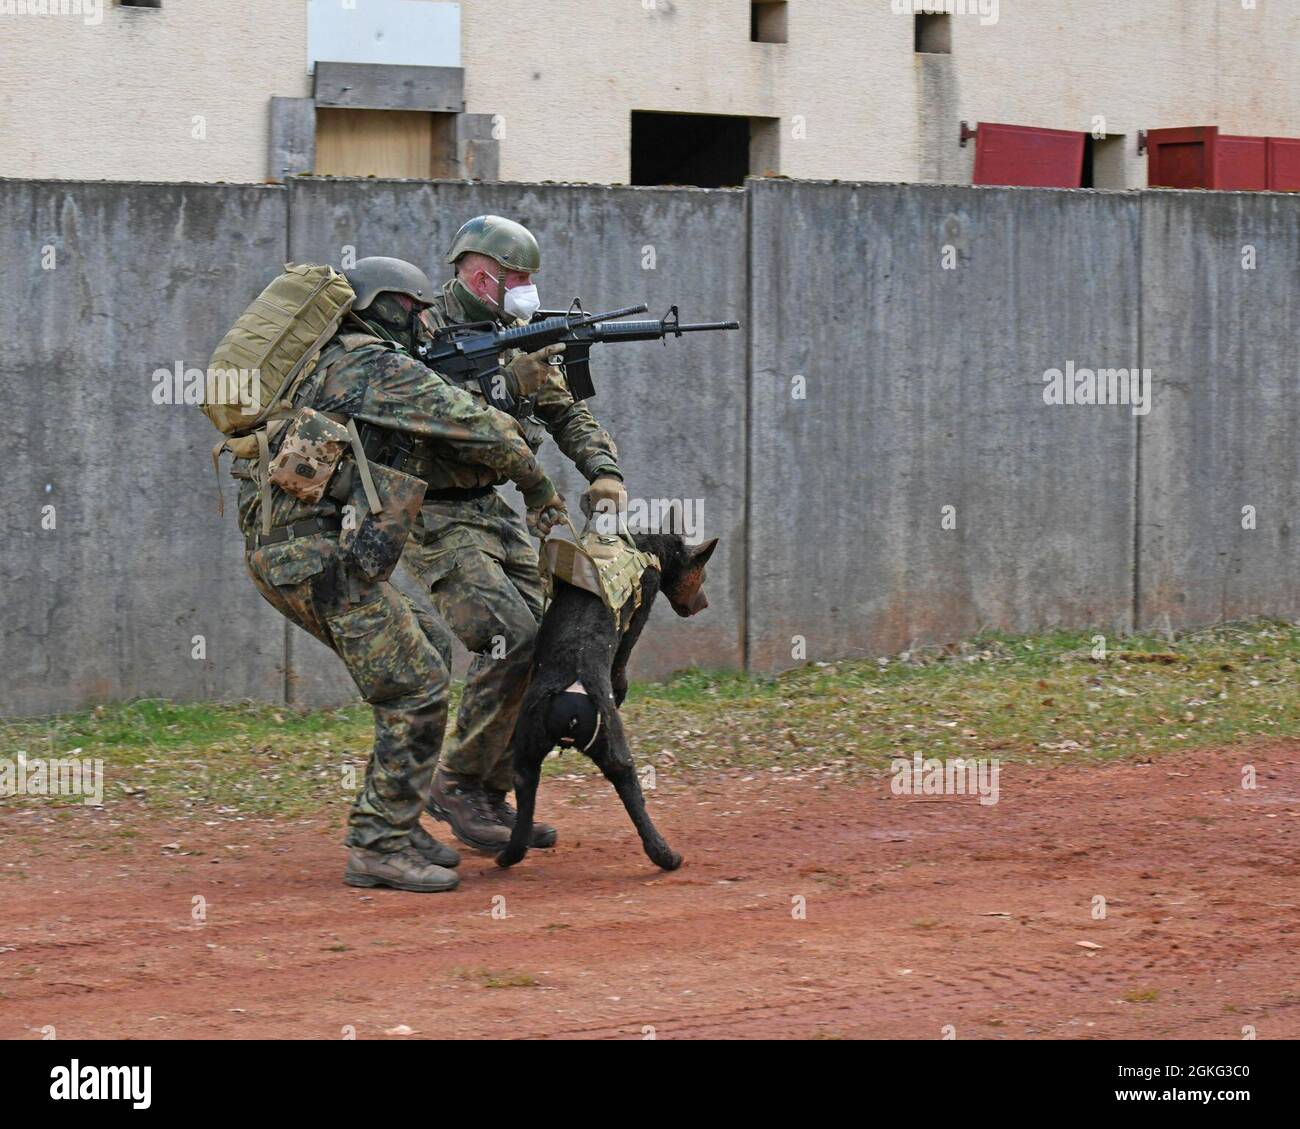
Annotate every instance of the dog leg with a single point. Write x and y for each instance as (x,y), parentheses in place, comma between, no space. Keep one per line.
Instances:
(528,748)
(613,757)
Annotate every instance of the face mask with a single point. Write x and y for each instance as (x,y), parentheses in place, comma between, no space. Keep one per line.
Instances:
(521,301)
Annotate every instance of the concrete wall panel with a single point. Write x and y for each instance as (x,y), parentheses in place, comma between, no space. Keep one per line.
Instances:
(105,605)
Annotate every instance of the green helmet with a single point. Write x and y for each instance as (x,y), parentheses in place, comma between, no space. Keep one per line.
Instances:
(508,243)
(379,275)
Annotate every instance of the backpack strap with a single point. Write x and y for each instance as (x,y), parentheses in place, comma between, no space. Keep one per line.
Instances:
(363,465)
(255,446)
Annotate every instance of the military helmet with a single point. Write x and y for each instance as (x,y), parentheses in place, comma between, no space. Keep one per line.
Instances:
(508,243)
(378,275)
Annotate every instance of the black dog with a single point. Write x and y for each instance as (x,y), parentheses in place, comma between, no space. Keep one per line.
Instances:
(580,642)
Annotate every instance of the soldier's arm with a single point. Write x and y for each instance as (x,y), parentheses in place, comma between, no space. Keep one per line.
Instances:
(402,394)
(584,442)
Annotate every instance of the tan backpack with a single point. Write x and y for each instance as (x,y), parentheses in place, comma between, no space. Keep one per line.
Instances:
(268,353)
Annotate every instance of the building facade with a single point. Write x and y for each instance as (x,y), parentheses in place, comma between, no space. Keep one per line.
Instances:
(623,91)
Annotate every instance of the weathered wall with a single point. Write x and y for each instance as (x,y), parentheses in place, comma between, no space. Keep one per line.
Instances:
(887,388)
(105,605)
(1221,326)
(918,388)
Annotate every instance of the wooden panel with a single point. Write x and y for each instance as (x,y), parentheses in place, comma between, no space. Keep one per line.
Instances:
(372,86)
(385,143)
(1284,164)
(1181,158)
(1240,164)
(1023,155)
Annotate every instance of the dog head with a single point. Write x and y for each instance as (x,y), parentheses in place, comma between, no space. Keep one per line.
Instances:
(681,570)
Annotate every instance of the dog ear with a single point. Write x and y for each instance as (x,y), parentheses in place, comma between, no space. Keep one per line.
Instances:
(700,556)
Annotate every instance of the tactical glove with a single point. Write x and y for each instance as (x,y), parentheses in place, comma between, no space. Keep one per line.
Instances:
(605,495)
(545,507)
(529,371)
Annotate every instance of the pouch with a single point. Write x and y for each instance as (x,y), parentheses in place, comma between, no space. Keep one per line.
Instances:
(373,539)
(309,455)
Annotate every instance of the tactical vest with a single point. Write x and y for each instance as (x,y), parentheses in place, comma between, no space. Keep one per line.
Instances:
(607,565)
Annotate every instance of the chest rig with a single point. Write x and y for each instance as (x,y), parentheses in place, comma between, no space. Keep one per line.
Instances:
(607,565)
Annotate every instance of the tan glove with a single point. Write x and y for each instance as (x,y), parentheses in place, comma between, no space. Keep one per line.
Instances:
(531,370)
(605,495)
(545,507)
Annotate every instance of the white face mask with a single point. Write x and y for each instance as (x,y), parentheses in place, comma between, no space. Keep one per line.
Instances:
(521,301)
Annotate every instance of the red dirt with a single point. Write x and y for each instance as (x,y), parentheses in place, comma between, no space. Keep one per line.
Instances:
(1201,880)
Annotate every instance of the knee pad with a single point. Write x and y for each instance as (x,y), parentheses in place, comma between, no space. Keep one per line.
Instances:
(572,719)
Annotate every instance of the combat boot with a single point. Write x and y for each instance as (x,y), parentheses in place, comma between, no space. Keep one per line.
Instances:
(459,800)
(406,869)
(544,835)
(437,853)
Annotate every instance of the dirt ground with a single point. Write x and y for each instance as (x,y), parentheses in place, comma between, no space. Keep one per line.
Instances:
(922,914)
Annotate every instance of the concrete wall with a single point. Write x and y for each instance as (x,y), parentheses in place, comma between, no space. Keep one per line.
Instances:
(106,604)
(887,388)
(852,98)
(1221,322)
(871,388)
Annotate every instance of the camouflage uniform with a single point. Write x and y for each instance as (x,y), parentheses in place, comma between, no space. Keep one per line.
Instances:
(396,653)
(475,557)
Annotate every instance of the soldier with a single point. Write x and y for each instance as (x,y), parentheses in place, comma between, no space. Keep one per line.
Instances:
(472,552)
(396,654)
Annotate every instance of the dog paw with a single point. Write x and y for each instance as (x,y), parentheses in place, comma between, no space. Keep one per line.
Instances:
(670,860)
(509,857)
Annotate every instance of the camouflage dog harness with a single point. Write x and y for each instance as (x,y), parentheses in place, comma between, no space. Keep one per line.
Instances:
(608,565)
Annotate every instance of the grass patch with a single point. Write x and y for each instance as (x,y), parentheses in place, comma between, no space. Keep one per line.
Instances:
(1043,698)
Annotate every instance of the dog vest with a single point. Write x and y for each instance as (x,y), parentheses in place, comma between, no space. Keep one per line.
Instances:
(607,565)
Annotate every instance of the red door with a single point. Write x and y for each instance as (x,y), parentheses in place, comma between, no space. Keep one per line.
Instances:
(1182,158)
(1032,158)
(1240,164)
(1202,157)
(1284,164)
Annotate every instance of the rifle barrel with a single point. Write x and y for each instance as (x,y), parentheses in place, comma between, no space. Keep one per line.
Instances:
(707,326)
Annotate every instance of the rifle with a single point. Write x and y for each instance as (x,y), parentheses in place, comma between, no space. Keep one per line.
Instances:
(472,352)
(578,342)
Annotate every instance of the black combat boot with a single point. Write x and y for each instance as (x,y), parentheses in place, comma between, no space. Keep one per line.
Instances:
(459,800)
(544,835)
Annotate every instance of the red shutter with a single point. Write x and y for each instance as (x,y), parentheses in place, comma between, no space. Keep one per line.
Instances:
(1240,164)
(1181,158)
(1284,164)
(1033,158)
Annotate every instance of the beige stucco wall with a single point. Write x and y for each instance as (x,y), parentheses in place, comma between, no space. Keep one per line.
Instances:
(871,108)
(118,100)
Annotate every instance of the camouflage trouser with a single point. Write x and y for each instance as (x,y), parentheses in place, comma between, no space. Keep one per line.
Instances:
(392,650)
(480,568)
